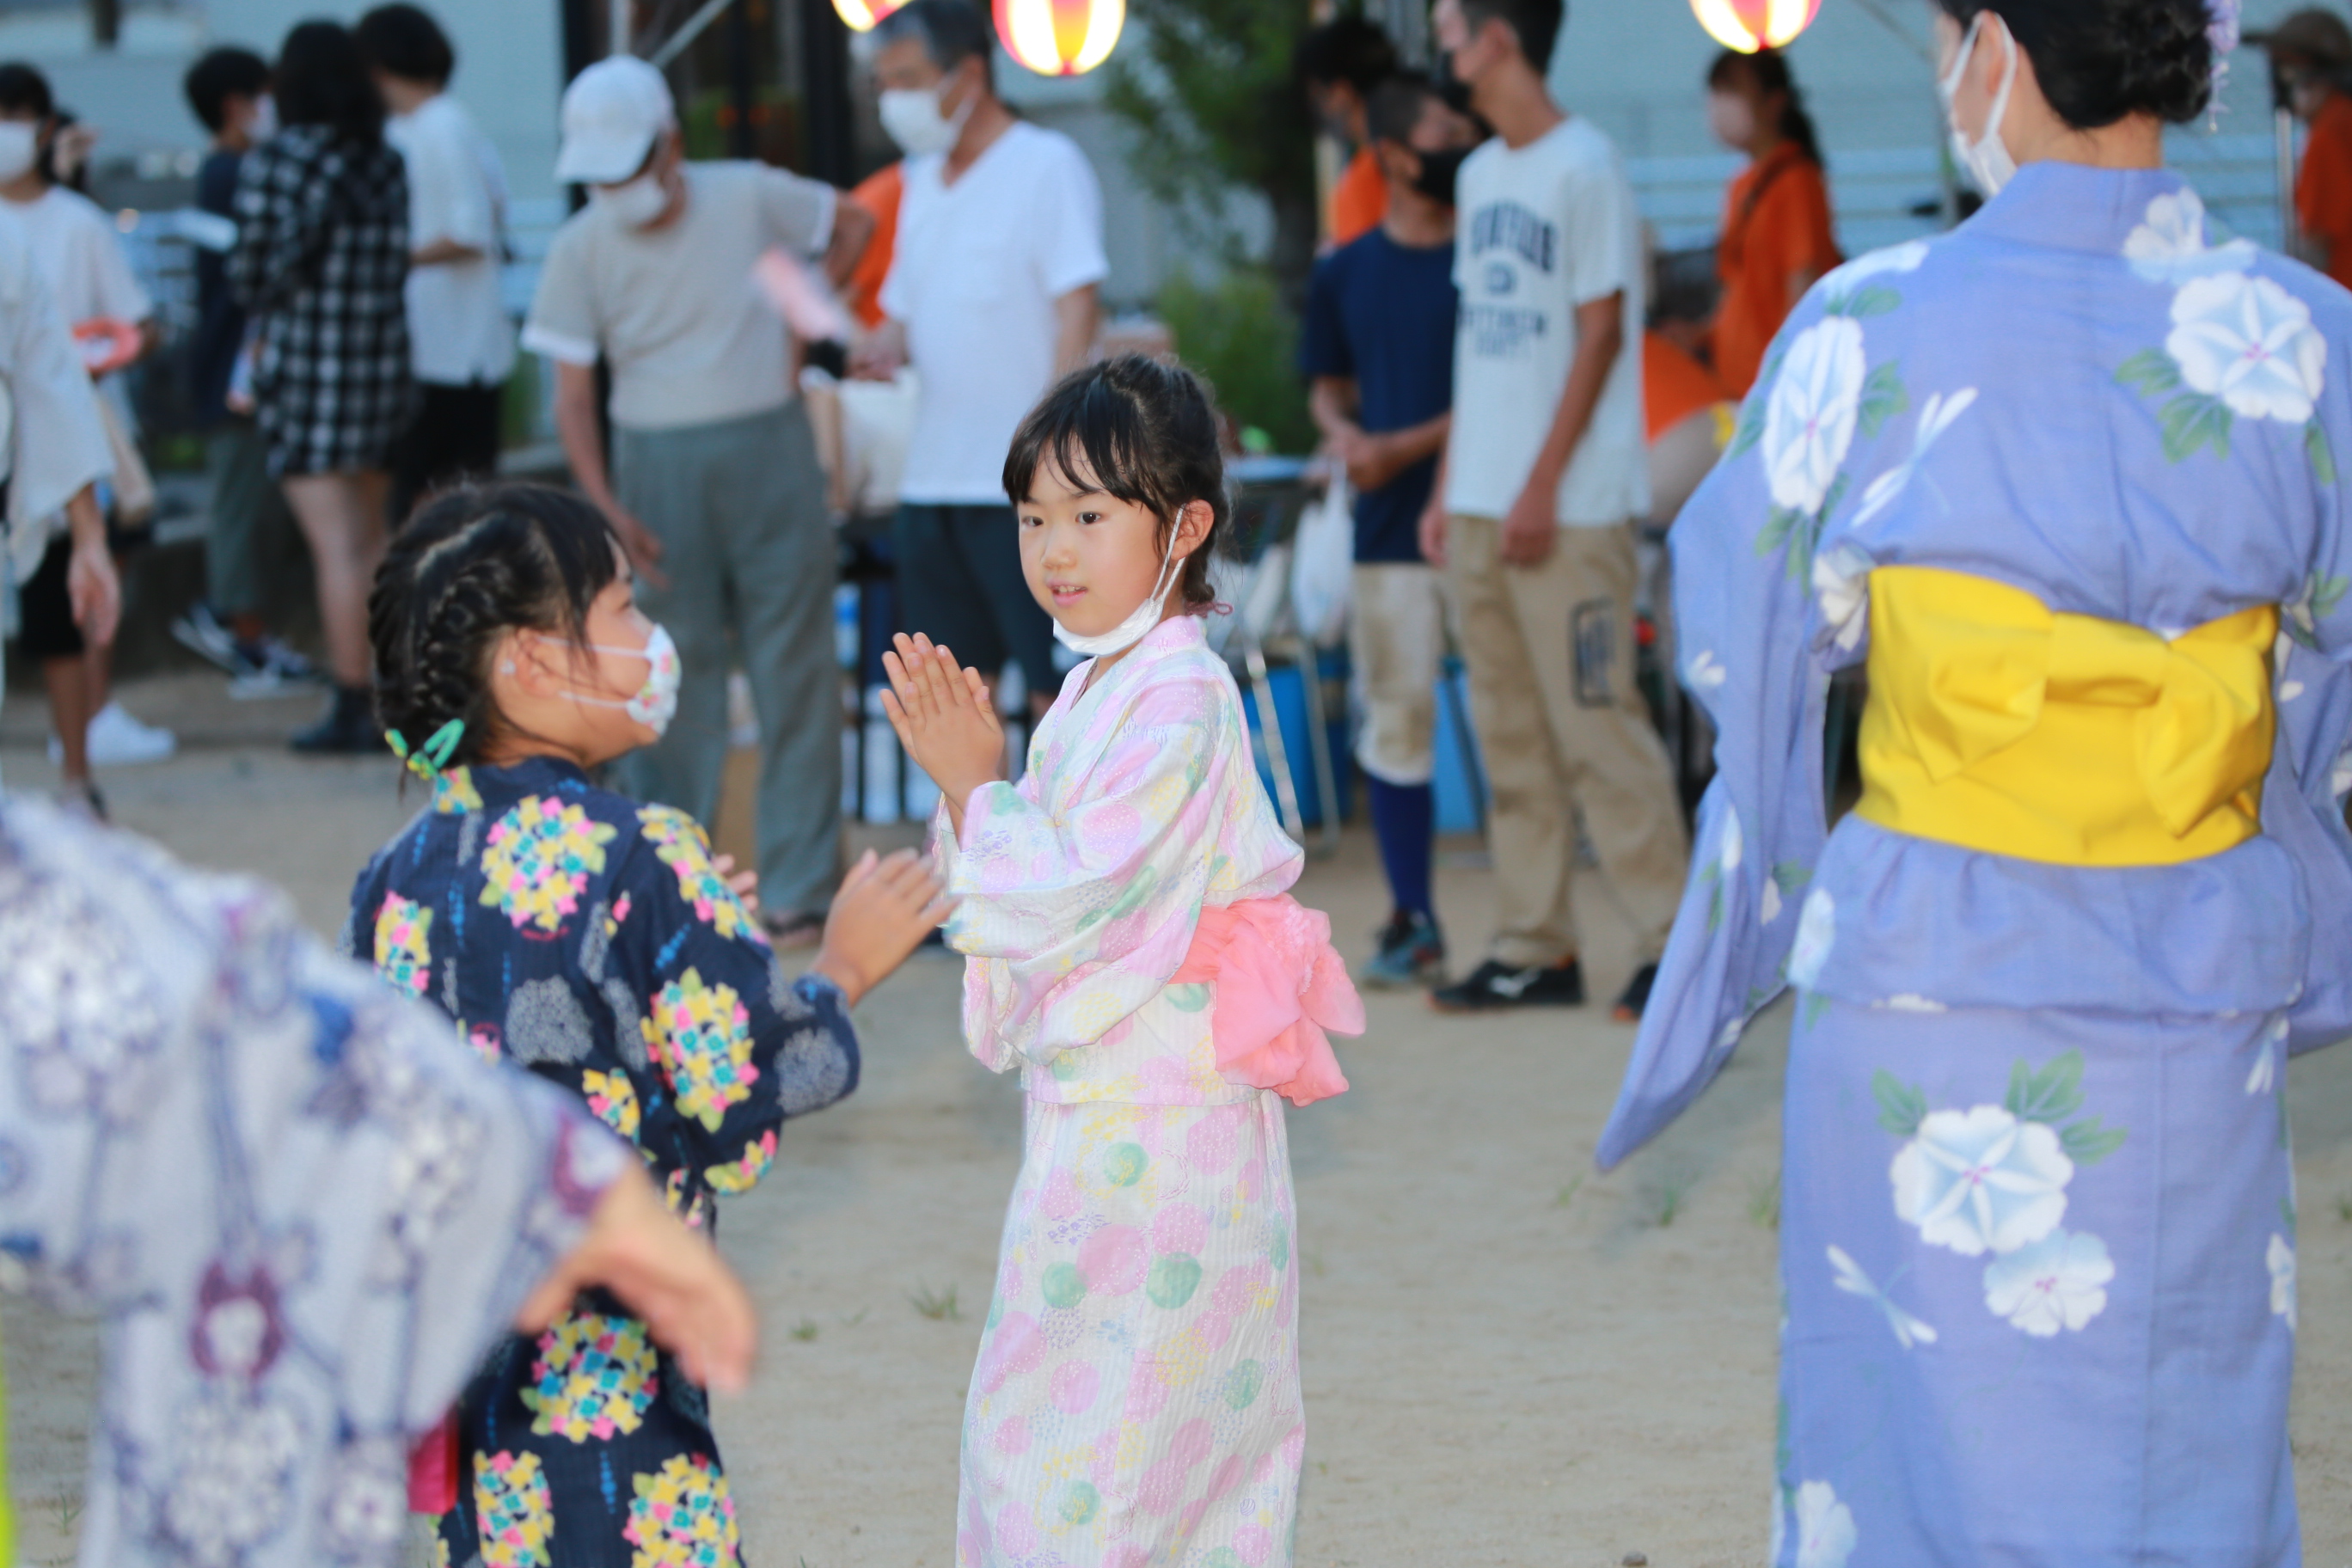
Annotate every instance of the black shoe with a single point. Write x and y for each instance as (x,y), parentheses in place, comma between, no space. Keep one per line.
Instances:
(1494,986)
(348,728)
(1636,995)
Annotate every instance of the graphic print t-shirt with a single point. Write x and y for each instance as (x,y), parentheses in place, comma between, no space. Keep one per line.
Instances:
(1544,229)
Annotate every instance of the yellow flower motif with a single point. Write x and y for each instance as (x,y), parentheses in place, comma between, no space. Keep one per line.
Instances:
(511,1499)
(540,857)
(403,948)
(453,791)
(701,1034)
(744,1173)
(613,1099)
(682,1518)
(683,847)
(593,1377)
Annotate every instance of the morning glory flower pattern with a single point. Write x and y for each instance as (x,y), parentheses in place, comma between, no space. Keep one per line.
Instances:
(1815,406)
(1825,1532)
(2249,342)
(2059,1282)
(1980,1180)
(2169,246)
(2280,1260)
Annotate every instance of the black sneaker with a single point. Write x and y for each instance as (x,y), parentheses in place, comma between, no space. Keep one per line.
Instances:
(1636,995)
(205,635)
(348,728)
(1494,986)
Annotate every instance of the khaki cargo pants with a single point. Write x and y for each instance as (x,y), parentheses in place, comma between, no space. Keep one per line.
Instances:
(1564,732)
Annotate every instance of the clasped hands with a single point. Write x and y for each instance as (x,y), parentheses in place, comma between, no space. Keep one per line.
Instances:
(946,719)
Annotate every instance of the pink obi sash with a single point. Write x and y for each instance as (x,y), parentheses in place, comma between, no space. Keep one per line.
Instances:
(1279,985)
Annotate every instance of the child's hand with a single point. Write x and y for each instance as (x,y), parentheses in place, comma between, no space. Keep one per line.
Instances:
(944,718)
(882,913)
(746,884)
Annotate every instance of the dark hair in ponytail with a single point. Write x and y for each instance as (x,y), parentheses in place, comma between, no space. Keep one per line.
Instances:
(1139,430)
(2099,61)
(1767,70)
(470,565)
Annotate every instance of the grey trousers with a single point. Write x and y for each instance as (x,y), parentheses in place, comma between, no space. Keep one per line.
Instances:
(739,507)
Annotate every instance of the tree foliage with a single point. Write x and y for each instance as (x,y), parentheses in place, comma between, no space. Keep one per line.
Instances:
(1216,110)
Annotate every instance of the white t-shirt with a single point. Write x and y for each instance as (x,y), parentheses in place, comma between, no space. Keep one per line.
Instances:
(977,268)
(81,256)
(1544,229)
(691,337)
(51,440)
(458,328)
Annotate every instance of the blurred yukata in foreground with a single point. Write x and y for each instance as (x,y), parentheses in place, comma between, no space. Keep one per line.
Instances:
(2071,482)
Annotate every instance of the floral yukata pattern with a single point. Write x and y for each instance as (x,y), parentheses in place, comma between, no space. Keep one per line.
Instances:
(593,942)
(261,1381)
(1136,1396)
(2038,1216)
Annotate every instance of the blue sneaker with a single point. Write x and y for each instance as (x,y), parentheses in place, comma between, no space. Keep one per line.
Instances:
(1412,954)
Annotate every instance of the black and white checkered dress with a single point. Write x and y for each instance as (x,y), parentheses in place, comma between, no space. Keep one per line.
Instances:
(322,255)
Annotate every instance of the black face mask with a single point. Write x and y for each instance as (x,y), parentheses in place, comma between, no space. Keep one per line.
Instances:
(1438,172)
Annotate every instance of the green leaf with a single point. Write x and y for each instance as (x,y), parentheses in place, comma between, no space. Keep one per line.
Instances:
(2050,1094)
(2326,593)
(1883,397)
(1774,532)
(2287,1213)
(2152,370)
(1714,904)
(2323,458)
(2086,1142)
(1870,300)
(2192,420)
(1751,420)
(1900,1106)
(1816,1003)
(1791,875)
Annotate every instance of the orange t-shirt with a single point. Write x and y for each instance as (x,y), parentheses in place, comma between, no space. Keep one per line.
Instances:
(1360,199)
(1675,386)
(2323,190)
(1775,223)
(879,195)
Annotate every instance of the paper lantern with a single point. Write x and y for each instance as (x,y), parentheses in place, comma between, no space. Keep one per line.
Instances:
(1748,26)
(1060,38)
(861,14)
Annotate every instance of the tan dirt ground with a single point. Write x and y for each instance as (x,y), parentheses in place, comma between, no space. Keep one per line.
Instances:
(1509,1359)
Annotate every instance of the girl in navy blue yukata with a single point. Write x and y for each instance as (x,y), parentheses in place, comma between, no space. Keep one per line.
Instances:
(598,942)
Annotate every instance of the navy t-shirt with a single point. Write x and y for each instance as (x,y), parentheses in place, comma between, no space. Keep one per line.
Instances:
(1383,313)
(220,325)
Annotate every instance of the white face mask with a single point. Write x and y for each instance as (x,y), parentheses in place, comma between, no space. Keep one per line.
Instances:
(912,117)
(20,145)
(655,703)
(1987,159)
(636,203)
(264,123)
(1130,631)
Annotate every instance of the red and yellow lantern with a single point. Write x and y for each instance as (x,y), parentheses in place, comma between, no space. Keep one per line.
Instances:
(1748,26)
(1060,38)
(861,14)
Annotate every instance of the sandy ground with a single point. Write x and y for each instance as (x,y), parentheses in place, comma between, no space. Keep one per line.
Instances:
(1509,1359)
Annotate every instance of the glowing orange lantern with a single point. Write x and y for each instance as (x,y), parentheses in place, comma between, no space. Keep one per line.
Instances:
(1060,38)
(862,15)
(1748,26)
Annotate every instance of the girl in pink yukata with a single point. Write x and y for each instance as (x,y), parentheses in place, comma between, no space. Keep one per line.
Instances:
(1131,947)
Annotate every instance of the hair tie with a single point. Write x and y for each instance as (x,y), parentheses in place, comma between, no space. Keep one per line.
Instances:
(428,761)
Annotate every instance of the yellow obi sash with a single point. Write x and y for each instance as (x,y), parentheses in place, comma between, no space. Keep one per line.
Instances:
(1998,724)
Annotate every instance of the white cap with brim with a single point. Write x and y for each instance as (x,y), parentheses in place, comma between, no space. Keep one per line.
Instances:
(612,113)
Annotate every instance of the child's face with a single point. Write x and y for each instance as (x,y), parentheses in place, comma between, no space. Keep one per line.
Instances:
(1090,558)
(568,694)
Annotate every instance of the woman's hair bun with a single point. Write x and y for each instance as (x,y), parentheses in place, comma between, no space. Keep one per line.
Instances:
(2099,61)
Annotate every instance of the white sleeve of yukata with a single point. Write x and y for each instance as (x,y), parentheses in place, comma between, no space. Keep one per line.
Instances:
(1080,912)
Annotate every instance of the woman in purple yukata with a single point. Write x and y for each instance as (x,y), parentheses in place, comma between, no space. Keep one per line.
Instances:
(1130,946)
(2072,481)
(599,943)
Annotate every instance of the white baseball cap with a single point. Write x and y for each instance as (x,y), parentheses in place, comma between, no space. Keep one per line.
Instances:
(612,112)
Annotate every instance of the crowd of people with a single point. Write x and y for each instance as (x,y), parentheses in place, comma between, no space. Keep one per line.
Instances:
(2037,1235)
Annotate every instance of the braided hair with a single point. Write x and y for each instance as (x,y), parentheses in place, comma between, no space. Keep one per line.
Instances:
(472,564)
